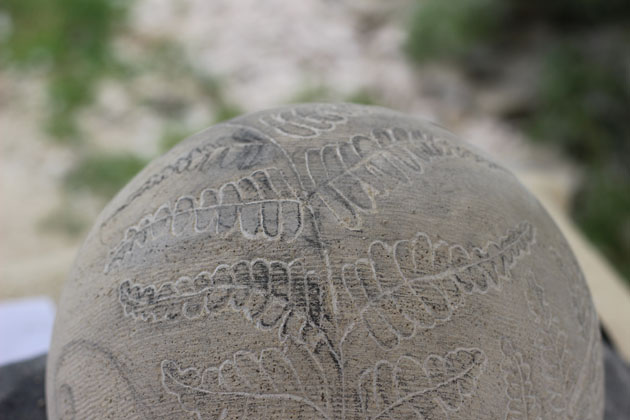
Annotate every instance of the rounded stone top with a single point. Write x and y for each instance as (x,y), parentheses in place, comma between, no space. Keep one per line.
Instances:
(325,261)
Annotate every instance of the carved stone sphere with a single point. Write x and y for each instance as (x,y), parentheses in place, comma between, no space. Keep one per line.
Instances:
(325,261)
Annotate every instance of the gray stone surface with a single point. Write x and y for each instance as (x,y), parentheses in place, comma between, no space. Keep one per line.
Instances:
(325,261)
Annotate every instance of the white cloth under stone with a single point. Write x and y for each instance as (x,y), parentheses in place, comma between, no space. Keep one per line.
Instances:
(25,328)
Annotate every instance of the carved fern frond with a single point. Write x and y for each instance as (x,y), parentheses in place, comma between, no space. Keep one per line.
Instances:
(588,400)
(270,294)
(412,389)
(347,176)
(262,205)
(582,306)
(241,149)
(304,122)
(274,384)
(417,284)
(522,401)
(568,386)
(557,364)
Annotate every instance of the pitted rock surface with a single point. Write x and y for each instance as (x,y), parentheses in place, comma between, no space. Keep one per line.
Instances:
(325,261)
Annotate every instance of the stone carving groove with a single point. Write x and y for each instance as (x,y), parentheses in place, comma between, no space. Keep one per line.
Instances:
(411,389)
(589,402)
(522,401)
(242,149)
(304,123)
(557,366)
(261,205)
(567,382)
(328,261)
(430,280)
(271,294)
(283,296)
(274,383)
(66,408)
(580,296)
(346,176)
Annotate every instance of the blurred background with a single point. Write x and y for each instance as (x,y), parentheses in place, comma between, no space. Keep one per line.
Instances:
(91,90)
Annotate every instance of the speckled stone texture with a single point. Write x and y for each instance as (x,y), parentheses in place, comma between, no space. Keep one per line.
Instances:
(325,261)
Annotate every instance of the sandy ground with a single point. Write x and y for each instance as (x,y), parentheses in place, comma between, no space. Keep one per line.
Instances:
(264,54)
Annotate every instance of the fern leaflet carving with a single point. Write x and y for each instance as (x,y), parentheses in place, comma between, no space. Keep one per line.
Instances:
(261,205)
(304,123)
(345,176)
(570,388)
(279,382)
(417,284)
(271,294)
(276,383)
(348,175)
(411,389)
(557,365)
(523,403)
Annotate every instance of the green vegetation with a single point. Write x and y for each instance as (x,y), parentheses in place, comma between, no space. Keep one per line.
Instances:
(172,135)
(322,93)
(103,174)
(602,209)
(70,41)
(454,29)
(212,89)
(363,97)
(582,102)
(226,112)
(66,220)
(70,44)
(312,93)
(447,29)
